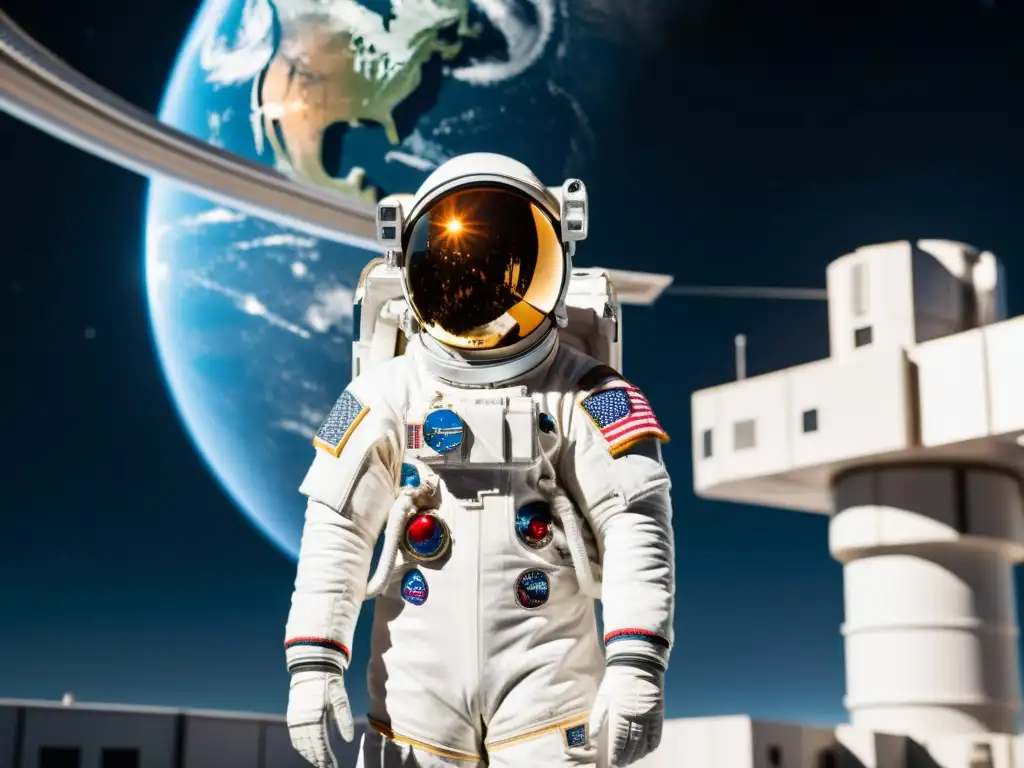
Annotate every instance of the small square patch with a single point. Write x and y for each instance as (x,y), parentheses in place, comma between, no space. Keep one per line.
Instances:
(576,736)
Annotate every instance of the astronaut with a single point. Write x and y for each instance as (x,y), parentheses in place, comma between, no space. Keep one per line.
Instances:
(515,479)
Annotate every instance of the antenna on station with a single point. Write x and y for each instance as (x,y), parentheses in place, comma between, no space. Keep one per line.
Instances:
(741,357)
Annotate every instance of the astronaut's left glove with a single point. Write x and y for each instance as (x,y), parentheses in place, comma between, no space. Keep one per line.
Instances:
(630,704)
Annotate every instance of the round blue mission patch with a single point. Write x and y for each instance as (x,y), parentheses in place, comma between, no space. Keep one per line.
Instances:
(532,589)
(443,430)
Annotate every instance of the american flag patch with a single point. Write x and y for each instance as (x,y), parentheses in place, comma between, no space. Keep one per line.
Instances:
(413,436)
(624,417)
(341,422)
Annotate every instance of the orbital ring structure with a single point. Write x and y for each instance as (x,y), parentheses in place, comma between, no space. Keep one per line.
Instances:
(42,90)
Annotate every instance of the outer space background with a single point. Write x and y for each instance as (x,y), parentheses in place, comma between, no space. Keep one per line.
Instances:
(127,575)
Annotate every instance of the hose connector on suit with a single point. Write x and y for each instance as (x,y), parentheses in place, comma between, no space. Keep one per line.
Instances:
(411,498)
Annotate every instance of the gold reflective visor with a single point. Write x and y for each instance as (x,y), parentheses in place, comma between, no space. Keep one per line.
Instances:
(484,267)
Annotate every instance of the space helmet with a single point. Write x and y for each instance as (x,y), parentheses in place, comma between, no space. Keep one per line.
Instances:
(485,251)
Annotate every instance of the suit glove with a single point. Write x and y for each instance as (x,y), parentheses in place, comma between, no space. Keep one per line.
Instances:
(313,698)
(630,704)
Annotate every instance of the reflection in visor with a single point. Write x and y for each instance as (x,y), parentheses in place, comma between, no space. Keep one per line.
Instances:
(484,268)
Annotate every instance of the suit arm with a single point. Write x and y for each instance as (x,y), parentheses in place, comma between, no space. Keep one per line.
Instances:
(623,492)
(350,487)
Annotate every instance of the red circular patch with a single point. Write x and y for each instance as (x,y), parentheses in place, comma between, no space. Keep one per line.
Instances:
(421,529)
(537,529)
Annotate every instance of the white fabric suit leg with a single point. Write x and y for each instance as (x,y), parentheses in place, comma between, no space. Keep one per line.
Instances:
(378,751)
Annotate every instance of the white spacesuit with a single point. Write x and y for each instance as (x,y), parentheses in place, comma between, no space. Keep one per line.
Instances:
(515,478)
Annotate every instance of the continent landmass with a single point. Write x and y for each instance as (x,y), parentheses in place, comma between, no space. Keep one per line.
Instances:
(339,62)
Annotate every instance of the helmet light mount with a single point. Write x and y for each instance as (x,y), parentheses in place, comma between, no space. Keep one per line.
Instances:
(390,223)
(575,211)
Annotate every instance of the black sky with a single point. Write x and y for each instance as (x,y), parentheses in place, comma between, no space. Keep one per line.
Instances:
(784,137)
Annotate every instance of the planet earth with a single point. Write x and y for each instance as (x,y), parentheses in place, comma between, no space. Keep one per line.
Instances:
(253,322)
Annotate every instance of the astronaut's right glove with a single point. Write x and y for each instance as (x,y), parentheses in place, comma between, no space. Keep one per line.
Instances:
(630,704)
(314,698)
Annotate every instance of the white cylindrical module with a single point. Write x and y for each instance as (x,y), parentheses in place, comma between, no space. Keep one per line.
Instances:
(931,621)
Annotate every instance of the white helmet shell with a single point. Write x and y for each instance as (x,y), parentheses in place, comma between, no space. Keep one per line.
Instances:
(482,168)
(448,260)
